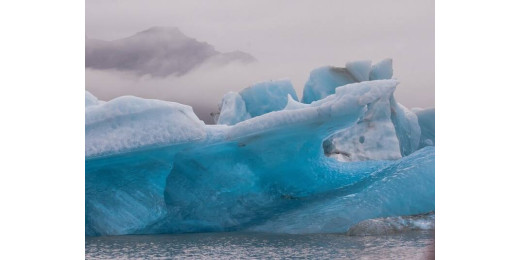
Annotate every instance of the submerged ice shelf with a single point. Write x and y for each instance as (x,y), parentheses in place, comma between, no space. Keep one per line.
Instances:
(275,165)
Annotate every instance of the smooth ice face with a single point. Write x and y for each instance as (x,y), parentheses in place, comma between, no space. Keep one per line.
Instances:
(232,109)
(426,119)
(323,81)
(268,96)
(382,70)
(256,100)
(129,123)
(360,70)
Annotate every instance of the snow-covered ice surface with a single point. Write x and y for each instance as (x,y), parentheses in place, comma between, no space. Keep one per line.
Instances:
(130,123)
(272,165)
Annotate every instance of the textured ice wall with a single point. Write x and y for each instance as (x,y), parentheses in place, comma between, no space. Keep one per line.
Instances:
(373,137)
(405,187)
(125,193)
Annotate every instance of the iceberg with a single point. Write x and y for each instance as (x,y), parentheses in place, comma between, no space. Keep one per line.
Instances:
(153,167)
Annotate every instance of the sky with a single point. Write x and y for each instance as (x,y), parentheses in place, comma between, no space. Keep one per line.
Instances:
(288,38)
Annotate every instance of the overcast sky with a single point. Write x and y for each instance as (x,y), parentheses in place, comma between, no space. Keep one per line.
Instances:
(288,38)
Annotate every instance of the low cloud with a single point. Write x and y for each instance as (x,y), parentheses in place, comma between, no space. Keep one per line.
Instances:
(158,52)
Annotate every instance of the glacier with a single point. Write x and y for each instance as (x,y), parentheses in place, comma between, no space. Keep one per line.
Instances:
(271,164)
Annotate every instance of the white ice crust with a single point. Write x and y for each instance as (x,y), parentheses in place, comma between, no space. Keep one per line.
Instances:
(130,123)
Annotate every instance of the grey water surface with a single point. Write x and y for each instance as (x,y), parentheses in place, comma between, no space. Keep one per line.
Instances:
(240,245)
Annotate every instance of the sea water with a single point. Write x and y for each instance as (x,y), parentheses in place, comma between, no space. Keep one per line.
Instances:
(240,245)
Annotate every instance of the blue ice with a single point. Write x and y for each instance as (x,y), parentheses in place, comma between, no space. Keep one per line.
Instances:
(153,167)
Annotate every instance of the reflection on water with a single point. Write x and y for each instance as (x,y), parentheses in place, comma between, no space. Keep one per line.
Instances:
(411,245)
